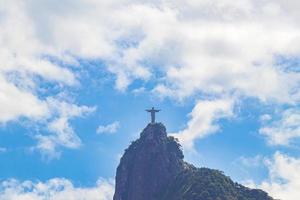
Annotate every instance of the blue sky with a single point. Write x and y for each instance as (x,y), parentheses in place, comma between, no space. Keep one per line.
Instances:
(76,78)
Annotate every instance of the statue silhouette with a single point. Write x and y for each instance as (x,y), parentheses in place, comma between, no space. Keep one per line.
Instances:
(152,111)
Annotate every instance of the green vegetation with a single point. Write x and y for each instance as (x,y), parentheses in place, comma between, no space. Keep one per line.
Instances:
(208,184)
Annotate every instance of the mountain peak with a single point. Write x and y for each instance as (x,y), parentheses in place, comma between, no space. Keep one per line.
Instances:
(152,168)
(154,131)
(148,165)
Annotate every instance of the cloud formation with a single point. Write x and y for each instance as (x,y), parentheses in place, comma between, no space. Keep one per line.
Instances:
(284,130)
(204,120)
(213,49)
(284,177)
(110,128)
(55,189)
(60,132)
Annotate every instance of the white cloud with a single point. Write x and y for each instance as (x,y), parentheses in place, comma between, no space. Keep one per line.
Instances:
(24,69)
(200,46)
(23,53)
(213,48)
(110,128)
(204,118)
(265,118)
(12,108)
(138,91)
(284,130)
(54,189)
(61,134)
(284,177)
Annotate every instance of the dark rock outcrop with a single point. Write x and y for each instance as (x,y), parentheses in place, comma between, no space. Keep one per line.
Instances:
(152,168)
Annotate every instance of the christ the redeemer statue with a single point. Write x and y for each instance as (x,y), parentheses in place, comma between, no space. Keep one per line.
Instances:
(152,111)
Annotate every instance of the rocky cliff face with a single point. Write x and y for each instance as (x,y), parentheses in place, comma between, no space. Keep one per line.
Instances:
(148,165)
(152,168)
